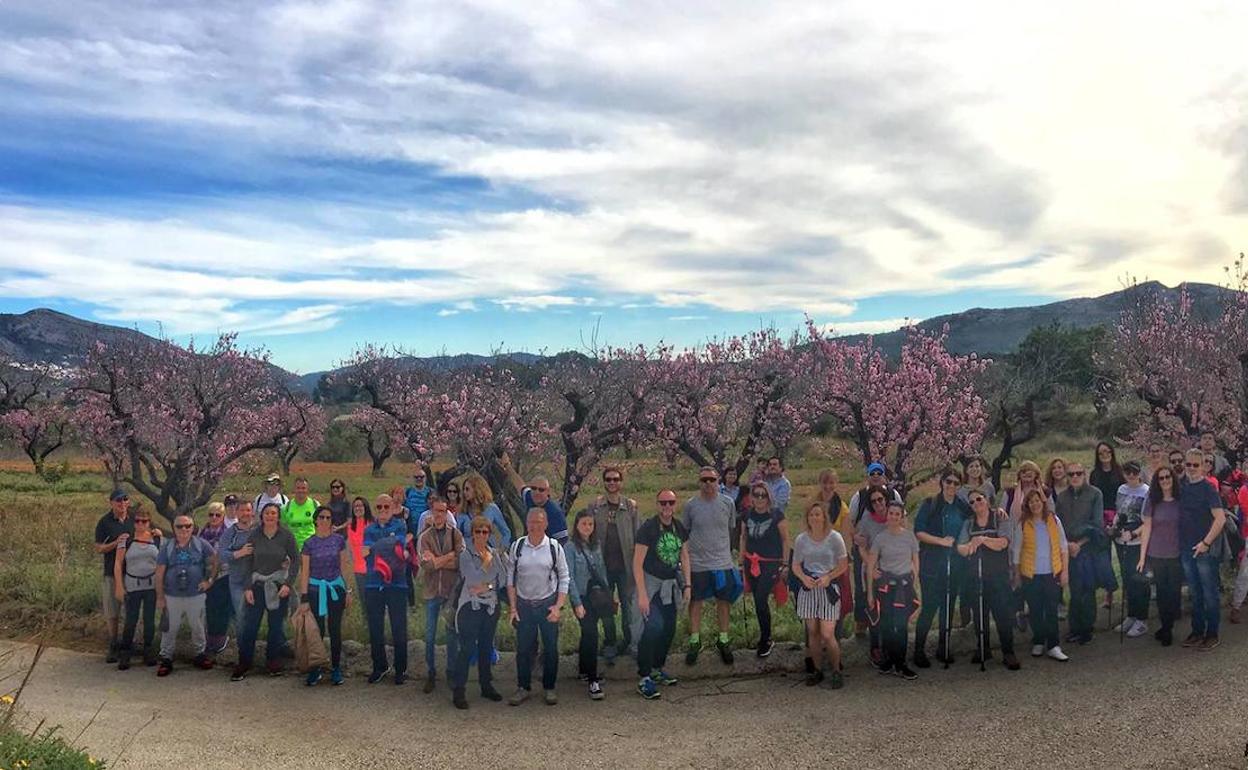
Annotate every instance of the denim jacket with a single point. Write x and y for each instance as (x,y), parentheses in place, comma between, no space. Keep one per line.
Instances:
(580,564)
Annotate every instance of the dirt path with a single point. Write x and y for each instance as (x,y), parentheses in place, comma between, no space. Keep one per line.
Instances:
(1137,705)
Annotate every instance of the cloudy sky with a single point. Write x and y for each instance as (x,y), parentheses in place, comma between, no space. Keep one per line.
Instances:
(470,176)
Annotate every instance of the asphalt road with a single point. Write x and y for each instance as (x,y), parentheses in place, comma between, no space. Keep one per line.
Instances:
(1135,705)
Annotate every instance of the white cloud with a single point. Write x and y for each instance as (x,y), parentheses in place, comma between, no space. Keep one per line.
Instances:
(683,318)
(709,156)
(846,328)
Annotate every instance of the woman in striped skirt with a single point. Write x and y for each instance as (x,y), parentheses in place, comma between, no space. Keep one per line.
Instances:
(819,558)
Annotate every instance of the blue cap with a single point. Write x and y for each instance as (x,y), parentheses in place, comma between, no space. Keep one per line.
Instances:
(876,467)
(118,494)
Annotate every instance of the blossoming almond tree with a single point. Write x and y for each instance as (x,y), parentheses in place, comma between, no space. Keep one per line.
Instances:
(40,427)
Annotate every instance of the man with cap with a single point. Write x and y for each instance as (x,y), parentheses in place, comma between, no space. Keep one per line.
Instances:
(231,510)
(272,494)
(859,506)
(112,530)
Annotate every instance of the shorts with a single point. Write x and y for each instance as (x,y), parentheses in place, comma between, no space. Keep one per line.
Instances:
(722,584)
(112,607)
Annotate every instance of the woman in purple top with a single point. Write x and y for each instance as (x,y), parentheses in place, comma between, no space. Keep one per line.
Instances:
(323,564)
(1159,549)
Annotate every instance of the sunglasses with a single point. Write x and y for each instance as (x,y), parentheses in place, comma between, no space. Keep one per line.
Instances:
(875,500)
(183,526)
(1192,465)
(383,507)
(215,515)
(419,478)
(335,486)
(614,480)
(952,482)
(876,473)
(142,521)
(666,503)
(1074,473)
(1165,477)
(708,480)
(760,495)
(485,531)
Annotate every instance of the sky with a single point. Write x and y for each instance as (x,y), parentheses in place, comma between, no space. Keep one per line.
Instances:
(472,177)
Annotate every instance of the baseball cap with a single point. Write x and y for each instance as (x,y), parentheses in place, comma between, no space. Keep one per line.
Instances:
(273,478)
(118,494)
(230,500)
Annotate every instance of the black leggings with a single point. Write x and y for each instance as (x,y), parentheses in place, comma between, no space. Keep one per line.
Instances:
(587,663)
(761,588)
(335,610)
(136,600)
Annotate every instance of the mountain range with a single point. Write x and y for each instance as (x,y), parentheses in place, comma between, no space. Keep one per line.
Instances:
(47,336)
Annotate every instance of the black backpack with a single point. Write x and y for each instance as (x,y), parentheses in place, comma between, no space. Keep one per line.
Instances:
(518,547)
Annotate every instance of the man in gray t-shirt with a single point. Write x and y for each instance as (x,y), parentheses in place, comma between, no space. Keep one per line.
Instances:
(709,518)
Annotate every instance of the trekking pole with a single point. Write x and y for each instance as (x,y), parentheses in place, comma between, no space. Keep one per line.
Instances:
(946,622)
(982,630)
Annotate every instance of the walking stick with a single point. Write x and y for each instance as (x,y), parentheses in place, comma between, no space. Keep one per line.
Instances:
(946,622)
(982,631)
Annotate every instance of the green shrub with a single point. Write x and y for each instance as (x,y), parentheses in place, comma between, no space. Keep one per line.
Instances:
(42,751)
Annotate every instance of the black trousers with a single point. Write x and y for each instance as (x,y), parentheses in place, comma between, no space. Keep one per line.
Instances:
(587,652)
(145,602)
(999,602)
(475,629)
(1043,593)
(332,619)
(656,638)
(1168,577)
(761,588)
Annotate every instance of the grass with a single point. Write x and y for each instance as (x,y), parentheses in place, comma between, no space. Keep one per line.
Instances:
(48,567)
(45,750)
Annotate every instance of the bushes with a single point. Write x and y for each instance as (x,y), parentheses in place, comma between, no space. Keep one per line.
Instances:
(42,751)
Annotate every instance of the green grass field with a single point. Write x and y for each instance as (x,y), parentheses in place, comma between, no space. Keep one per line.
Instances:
(49,575)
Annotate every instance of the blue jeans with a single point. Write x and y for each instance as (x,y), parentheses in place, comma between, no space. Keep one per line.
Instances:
(433,609)
(1203,585)
(656,636)
(532,623)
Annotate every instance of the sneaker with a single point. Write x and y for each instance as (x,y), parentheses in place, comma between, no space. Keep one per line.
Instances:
(648,689)
(274,669)
(814,678)
(551,697)
(217,644)
(920,660)
(1165,636)
(664,678)
(595,691)
(400,678)
(836,680)
(1010,661)
(1193,640)
(886,668)
(691,656)
(1126,625)
(202,662)
(1057,654)
(377,676)
(905,672)
(520,696)
(335,676)
(238,674)
(111,656)
(458,699)
(725,652)
(1209,643)
(765,648)
(1037,650)
(163,667)
(431,682)
(314,678)
(1138,629)
(489,693)
(876,657)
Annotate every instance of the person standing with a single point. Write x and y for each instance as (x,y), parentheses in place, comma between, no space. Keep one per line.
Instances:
(893,575)
(270,568)
(272,494)
(479,501)
(779,486)
(385,588)
(1041,559)
(231,509)
(838,514)
(1159,549)
(235,544)
(439,546)
(661,578)
(586,569)
(1209,445)
(616,523)
(1200,535)
(219,607)
(764,558)
(111,532)
(536,494)
(185,569)
(134,578)
(941,570)
(339,504)
(1080,508)
(538,589)
(975,471)
(1107,476)
(710,517)
(860,508)
(819,558)
(483,570)
(1055,479)
(866,529)
(1128,518)
(361,517)
(323,564)
(985,542)
(299,513)
(416,496)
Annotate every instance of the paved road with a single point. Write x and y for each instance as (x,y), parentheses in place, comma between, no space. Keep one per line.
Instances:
(1136,706)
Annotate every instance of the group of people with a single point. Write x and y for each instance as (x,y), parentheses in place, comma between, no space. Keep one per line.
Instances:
(1021,557)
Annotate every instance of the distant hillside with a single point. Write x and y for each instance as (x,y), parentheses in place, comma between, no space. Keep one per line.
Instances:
(994,331)
(46,336)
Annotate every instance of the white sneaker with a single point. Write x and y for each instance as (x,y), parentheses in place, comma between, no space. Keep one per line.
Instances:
(1139,629)
(1057,654)
(1126,625)
(1037,650)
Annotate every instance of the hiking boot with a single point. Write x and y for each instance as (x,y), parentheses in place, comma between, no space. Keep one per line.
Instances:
(520,696)
(1209,643)
(765,648)
(814,678)
(691,656)
(489,693)
(149,657)
(1010,661)
(238,674)
(458,699)
(216,643)
(648,689)
(905,672)
(920,660)
(111,655)
(202,662)
(595,690)
(725,652)
(836,680)
(1165,636)
(163,667)
(551,697)
(377,676)
(335,676)
(123,659)
(314,678)
(1057,654)
(664,678)
(431,682)
(400,677)
(1193,640)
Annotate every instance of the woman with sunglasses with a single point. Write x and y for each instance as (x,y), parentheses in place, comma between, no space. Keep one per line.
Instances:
(764,559)
(476,615)
(453,501)
(270,570)
(324,562)
(134,581)
(865,530)
(339,504)
(478,500)
(941,569)
(219,607)
(1159,551)
(860,505)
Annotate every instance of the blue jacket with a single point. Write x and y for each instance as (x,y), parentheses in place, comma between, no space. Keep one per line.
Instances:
(580,564)
(372,533)
(416,501)
(940,519)
(556,519)
(500,538)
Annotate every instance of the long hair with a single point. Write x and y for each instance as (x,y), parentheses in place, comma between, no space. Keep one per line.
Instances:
(1048,472)
(1154,489)
(827,522)
(576,530)
(1115,470)
(355,524)
(481,495)
(1044,506)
